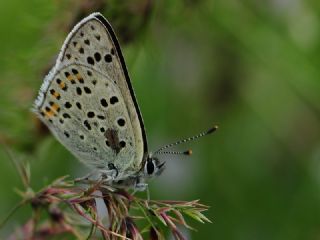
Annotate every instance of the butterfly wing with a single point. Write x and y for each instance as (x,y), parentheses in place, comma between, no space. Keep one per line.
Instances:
(88,103)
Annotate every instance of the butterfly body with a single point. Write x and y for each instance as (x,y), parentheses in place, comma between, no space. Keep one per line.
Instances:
(88,103)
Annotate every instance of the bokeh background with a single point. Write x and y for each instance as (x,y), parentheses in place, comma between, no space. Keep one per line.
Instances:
(250,66)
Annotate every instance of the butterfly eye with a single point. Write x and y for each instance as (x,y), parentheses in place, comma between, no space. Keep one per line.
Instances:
(153,167)
(149,167)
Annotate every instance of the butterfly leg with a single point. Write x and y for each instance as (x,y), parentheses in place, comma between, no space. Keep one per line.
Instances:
(140,186)
(86,178)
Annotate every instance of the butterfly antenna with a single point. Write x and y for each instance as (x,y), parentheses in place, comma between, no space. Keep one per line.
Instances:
(188,152)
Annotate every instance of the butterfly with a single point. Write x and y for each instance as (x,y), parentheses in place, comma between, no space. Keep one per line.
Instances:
(88,103)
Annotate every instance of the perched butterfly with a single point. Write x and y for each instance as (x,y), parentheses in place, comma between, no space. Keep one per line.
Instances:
(88,103)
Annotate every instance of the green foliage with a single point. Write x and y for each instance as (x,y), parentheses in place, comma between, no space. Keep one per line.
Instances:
(250,66)
(58,208)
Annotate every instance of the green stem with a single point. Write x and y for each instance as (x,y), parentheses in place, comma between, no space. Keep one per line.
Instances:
(13,210)
(144,213)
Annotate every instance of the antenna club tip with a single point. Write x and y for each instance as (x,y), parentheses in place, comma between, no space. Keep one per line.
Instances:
(188,152)
(214,128)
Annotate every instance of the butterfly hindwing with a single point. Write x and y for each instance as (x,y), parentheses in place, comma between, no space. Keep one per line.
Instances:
(88,103)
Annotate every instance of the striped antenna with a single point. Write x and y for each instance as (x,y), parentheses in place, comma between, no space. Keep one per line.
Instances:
(188,152)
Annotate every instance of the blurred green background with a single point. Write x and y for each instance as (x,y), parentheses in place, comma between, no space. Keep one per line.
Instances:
(250,66)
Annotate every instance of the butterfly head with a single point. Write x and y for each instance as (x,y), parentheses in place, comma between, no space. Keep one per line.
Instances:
(153,166)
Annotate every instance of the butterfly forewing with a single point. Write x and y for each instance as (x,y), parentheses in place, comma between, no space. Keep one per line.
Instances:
(88,103)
